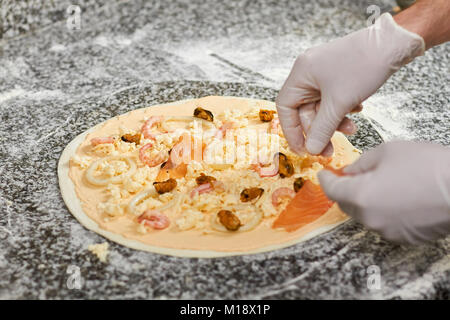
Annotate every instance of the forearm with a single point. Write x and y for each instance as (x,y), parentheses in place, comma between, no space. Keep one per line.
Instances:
(429,19)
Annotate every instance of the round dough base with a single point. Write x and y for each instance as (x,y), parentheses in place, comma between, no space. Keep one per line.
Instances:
(74,205)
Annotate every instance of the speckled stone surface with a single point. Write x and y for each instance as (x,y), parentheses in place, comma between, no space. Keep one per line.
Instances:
(56,83)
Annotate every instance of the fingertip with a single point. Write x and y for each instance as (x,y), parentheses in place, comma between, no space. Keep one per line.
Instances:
(295,140)
(358,108)
(348,170)
(314,146)
(325,177)
(347,126)
(327,181)
(328,151)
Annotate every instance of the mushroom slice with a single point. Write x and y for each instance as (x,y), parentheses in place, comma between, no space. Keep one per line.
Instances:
(136,138)
(285,166)
(298,184)
(203,114)
(249,224)
(202,179)
(229,220)
(165,186)
(251,193)
(266,115)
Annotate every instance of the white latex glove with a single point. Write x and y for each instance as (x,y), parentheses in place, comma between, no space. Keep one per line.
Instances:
(400,189)
(340,74)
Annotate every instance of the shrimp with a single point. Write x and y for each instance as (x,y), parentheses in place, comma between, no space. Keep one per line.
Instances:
(281,164)
(101,140)
(269,171)
(154,219)
(274,126)
(223,129)
(282,193)
(145,158)
(152,121)
(208,187)
(203,188)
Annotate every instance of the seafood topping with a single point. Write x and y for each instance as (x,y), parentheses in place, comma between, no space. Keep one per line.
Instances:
(309,204)
(298,184)
(280,193)
(286,168)
(251,193)
(270,171)
(274,124)
(151,122)
(101,140)
(146,159)
(229,220)
(266,115)
(165,186)
(154,219)
(203,188)
(202,179)
(203,114)
(136,138)
(223,129)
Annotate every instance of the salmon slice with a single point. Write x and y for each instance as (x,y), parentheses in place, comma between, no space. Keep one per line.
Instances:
(309,204)
(168,170)
(339,172)
(310,160)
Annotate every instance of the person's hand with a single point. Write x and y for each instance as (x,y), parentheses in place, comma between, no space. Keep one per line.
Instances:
(329,81)
(400,189)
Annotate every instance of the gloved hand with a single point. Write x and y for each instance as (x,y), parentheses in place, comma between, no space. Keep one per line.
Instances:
(340,74)
(400,189)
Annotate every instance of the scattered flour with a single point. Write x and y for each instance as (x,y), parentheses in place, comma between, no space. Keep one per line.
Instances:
(32,95)
(56,47)
(11,94)
(382,111)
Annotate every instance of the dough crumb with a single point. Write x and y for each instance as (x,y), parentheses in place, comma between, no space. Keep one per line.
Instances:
(100,250)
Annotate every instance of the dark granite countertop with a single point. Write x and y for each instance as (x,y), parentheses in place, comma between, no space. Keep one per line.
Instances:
(55,83)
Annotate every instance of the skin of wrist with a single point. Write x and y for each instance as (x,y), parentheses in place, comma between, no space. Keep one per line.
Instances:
(427,18)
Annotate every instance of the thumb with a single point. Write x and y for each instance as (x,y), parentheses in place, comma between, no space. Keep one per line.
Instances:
(343,190)
(323,127)
(292,127)
(340,189)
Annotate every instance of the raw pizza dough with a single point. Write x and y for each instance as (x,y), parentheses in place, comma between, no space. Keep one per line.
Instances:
(190,243)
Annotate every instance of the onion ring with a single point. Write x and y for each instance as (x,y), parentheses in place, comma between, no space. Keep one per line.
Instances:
(116,179)
(140,197)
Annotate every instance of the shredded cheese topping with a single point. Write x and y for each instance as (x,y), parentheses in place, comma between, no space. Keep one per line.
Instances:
(117,168)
